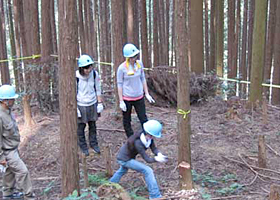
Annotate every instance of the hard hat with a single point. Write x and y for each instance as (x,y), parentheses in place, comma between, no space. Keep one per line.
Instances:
(7,92)
(130,50)
(153,127)
(85,60)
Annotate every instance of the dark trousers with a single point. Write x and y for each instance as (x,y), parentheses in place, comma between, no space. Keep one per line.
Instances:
(91,135)
(140,109)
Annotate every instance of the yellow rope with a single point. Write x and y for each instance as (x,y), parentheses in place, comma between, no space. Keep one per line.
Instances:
(183,112)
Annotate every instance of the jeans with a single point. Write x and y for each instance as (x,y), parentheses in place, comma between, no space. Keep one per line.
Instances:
(140,109)
(142,168)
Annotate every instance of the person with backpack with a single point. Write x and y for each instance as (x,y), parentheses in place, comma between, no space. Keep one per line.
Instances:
(138,144)
(89,103)
(132,87)
(16,177)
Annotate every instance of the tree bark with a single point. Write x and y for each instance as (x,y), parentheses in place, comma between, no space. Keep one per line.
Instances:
(269,44)
(258,51)
(68,51)
(220,38)
(196,36)
(183,97)
(155,34)
(206,36)
(144,36)
(276,72)
(212,61)
(4,67)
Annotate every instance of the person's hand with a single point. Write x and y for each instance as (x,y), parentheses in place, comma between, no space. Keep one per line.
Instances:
(123,106)
(161,158)
(150,98)
(100,107)
(79,113)
(3,163)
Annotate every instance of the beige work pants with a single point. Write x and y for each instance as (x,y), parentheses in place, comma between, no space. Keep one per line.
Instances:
(16,175)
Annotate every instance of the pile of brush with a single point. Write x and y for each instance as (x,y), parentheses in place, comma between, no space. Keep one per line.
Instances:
(162,81)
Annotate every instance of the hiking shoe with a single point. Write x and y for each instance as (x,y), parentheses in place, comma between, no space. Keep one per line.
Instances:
(15,195)
(30,196)
(96,149)
(85,151)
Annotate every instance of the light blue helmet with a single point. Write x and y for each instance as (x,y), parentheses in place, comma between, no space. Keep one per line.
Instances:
(8,92)
(130,50)
(153,127)
(85,60)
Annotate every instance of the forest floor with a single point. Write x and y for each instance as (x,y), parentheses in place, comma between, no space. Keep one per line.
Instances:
(224,146)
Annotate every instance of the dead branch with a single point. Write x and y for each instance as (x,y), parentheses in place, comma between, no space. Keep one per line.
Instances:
(228,197)
(275,152)
(110,129)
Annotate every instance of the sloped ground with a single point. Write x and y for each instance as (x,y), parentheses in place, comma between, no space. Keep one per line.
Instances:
(224,145)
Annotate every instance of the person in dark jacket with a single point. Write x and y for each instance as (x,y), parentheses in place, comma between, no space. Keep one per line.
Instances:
(138,143)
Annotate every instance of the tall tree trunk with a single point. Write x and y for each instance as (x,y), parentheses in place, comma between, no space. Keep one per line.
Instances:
(220,38)
(196,36)
(155,34)
(136,21)
(183,96)
(46,51)
(276,72)
(95,18)
(243,61)
(4,67)
(250,35)
(130,21)
(81,27)
(117,18)
(16,8)
(26,45)
(144,36)
(68,51)
(269,44)
(258,51)
(12,43)
(206,36)
(53,26)
(231,40)
(212,61)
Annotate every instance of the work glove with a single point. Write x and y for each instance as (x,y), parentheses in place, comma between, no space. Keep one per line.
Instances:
(150,99)
(123,106)
(2,169)
(161,158)
(100,107)
(79,113)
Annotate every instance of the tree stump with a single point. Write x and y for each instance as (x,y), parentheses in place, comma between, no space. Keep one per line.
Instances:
(84,161)
(274,192)
(262,152)
(108,160)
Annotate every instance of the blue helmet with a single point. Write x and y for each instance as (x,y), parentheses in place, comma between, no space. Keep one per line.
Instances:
(130,50)
(85,60)
(153,127)
(8,92)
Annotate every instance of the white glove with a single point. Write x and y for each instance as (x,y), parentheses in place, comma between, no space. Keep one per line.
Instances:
(79,113)
(150,99)
(2,169)
(123,106)
(161,158)
(100,107)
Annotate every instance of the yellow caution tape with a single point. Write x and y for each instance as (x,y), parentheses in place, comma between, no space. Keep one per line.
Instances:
(184,113)
(22,58)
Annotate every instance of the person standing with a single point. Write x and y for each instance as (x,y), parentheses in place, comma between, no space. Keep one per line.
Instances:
(132,87)
(89,102)
(138,144)
(15,170)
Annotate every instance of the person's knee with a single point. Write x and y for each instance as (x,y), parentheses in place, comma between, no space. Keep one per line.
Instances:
(148,170)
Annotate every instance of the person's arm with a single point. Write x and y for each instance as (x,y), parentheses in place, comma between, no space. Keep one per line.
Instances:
(154,148)
(120,83)
(145,87)
(2,157)
(142,151)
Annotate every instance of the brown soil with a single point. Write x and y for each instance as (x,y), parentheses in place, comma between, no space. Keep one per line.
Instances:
(222,135)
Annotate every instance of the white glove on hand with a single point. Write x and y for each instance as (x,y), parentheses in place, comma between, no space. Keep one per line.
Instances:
(78,113)
(123,106)
(2,169)
(100,107)
(150,99)
(161,158)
